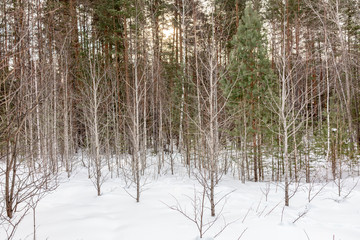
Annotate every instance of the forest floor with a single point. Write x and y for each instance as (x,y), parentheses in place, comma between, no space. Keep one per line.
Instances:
(250,211)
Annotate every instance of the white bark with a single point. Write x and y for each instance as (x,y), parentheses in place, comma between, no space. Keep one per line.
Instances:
(183,65)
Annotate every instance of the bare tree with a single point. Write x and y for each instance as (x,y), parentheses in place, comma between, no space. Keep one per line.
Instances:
(94,94)
(24,184)
(138,96)
(289,109)
(198,204)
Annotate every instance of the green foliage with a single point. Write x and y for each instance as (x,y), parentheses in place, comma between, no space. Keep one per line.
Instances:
(340,138)
(109,18)
(294,8)
(352,18)
(227,15)
(250,72)
(249,77)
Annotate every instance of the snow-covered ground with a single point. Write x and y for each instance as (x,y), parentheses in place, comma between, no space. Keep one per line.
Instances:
(74,211)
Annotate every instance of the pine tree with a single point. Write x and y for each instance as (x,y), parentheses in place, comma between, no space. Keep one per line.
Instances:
(250,74)
(250,66)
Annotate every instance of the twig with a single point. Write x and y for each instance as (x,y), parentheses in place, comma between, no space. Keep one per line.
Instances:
(242,234)
(262,211)
(351,189)
(257,208)
(246,215)
(317,193)
(301,215)
(224,227)
(282,213)
(266,191)
(273,209)
(307,236)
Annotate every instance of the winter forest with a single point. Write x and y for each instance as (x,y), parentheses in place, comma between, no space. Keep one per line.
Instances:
(180,119)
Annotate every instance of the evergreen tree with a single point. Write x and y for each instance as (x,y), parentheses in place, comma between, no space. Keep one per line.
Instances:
(250,66)
(250,74)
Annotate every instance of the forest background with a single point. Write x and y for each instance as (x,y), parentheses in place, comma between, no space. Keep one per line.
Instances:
(265,90)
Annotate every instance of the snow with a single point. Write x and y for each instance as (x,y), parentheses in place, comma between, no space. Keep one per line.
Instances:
(74,211)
